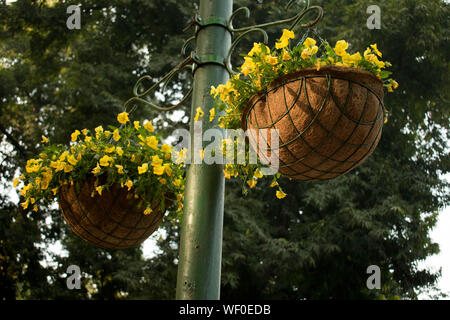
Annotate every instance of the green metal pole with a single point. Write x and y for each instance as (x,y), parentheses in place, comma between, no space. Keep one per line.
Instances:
(200,254)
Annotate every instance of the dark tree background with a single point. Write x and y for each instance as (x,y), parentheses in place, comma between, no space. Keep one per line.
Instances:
(316,244)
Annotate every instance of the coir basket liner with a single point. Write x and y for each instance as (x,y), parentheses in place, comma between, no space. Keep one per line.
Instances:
(329,120)
(112,220)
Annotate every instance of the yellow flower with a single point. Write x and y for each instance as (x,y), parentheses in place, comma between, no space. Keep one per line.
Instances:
(308,52)
(15,182)
(129,184)
(44,139)
(68,168)
(87,139)
(96,169)
(55,191)
(199,114)
(256,49)
(98,131)
(71,159)
(284,40)
(119,169)
(75,135)
(148,125)
(280,194)
(309,42)
(227,174)
(286,55)
(318,65)
(85,131)
(136,125)
(105,161)
(271,59)
(166,148)
(251,183)
(110,149)
(248,67)
(148,211)
(143,169)
(340,48)
(123,117)
(99,189)
(394,84)
(163,181)
(35,208)
(116,135)
(152,142)
(177,182)
(119,151)
(25,204)
(156,161)
(158,170)
(212,114)
(274,184)
(375,49)
(107,133)
(257,174)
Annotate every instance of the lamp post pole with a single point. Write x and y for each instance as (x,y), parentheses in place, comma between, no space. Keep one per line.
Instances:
(200,253)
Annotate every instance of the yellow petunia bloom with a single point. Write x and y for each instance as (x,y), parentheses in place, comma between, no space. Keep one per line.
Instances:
(271,59)
(341,47)
(308,52)
(119,151)
(25,204)
(105,161)
(123,117)
(152,142)
(143,169)
(212,114)
(99,189)
(85,131)
(251,183)
(257,174)
(280,194)
(68,168)
(156,161)
(129,184)
(375,49)
(158,170)
(110,149)
(286,55)
(309,42)
(199,114)
(284,40)
(166,148)
(148,211)
(55,191)
(15,182)
(71,159)
(44,139)
(97,169)
(148,125)
(274,184)
(116,135)
(256,49)
(177,182)
(136,124)
(119,169)
(75,135)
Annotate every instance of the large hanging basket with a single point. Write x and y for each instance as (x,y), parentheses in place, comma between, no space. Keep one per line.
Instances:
(112,220)
(329,121)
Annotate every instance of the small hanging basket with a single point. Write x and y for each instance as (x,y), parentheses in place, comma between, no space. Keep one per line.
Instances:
(112,220)
(329,121)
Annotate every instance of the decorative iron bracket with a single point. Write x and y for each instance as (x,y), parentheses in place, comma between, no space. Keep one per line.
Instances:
(195,61)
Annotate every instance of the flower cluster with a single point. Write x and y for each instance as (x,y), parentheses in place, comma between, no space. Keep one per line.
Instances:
(262,66)
(130,156)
